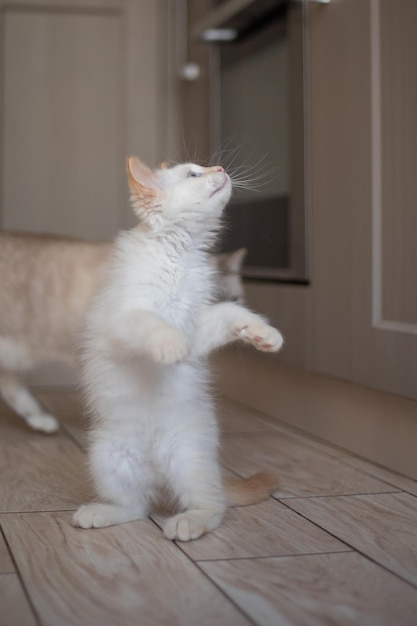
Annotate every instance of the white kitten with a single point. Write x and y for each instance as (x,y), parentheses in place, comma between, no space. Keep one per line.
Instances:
(145,372)
(46,286)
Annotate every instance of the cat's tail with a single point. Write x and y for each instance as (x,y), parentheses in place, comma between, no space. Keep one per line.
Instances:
(244,491)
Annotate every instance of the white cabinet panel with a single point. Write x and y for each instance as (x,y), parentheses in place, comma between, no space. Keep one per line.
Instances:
(384,294)
(63,121)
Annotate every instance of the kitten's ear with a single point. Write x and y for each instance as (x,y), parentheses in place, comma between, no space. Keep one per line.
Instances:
(233,261)
(142,183)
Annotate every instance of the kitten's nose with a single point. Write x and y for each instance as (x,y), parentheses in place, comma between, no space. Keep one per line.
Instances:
(214,168)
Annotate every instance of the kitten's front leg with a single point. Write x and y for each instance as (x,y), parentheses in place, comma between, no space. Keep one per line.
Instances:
(258,333)
(226,322)
(166,345)
(146,333)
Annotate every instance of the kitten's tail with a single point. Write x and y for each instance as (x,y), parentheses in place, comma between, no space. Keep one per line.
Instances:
(244,491)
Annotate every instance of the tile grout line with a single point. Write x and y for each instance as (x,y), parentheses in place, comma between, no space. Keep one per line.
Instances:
(20,579)
(273,556)
(339,459)
(71,437)
(353,548)
(346,463)
(212,582)
(337,495)
(50,511)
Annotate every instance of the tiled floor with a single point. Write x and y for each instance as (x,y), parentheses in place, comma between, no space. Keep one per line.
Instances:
(336,545)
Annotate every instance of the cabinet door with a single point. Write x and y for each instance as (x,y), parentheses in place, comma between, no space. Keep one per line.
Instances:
(364,225)
(384,260)
(83,85)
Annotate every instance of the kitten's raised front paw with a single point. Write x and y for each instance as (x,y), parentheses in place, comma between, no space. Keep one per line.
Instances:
(261,335)
(167,346)
(43,422)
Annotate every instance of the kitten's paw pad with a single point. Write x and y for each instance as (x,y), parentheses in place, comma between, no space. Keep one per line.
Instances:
(168,346)
(93,516)
(185,527)
(43,422)
(261,335)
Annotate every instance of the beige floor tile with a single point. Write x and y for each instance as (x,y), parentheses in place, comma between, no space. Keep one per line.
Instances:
(382,526)
(39,472)
(264,529)
(303,471)
(340,589)
(15,609)
(238,418)
(382,473)
(13,427)
(125,575)
(6,565)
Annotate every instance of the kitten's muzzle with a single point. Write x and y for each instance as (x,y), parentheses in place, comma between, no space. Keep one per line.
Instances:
(220,183)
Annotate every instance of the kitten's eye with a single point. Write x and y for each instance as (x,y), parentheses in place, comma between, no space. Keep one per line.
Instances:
(192,174)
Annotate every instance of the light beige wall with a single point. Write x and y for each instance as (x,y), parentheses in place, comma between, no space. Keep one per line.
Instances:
(63,113)
(84,84)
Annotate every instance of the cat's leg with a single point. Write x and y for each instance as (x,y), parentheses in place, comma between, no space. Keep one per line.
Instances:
(121,481)
(195,478)
(144,332)
(193,523)
(204,502)
(225,322)
(18,397)
(101,515)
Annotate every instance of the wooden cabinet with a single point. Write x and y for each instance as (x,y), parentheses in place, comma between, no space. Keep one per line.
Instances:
(358,318)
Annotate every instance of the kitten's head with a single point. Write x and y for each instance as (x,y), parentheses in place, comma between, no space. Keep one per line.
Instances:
(186,195)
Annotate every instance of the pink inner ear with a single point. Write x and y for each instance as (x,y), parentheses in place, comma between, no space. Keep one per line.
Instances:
(141,173)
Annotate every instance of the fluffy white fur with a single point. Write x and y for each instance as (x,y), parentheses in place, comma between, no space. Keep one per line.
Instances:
(46,286)
(145,372)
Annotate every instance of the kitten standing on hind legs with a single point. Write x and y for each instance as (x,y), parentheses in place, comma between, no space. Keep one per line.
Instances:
(65,273)
(145,370)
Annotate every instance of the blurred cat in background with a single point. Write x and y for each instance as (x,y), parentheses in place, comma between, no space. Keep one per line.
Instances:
(46,286)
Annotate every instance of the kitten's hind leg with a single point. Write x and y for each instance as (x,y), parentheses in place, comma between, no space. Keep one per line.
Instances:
(193,523)
(100,515)
(199,488)
(18,397)
(122,482)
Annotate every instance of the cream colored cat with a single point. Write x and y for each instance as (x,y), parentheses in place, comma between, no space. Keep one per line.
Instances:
(145,373)
(46,286)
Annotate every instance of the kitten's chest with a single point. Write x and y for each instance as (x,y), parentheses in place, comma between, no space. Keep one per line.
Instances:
(175,285)
(186,293)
